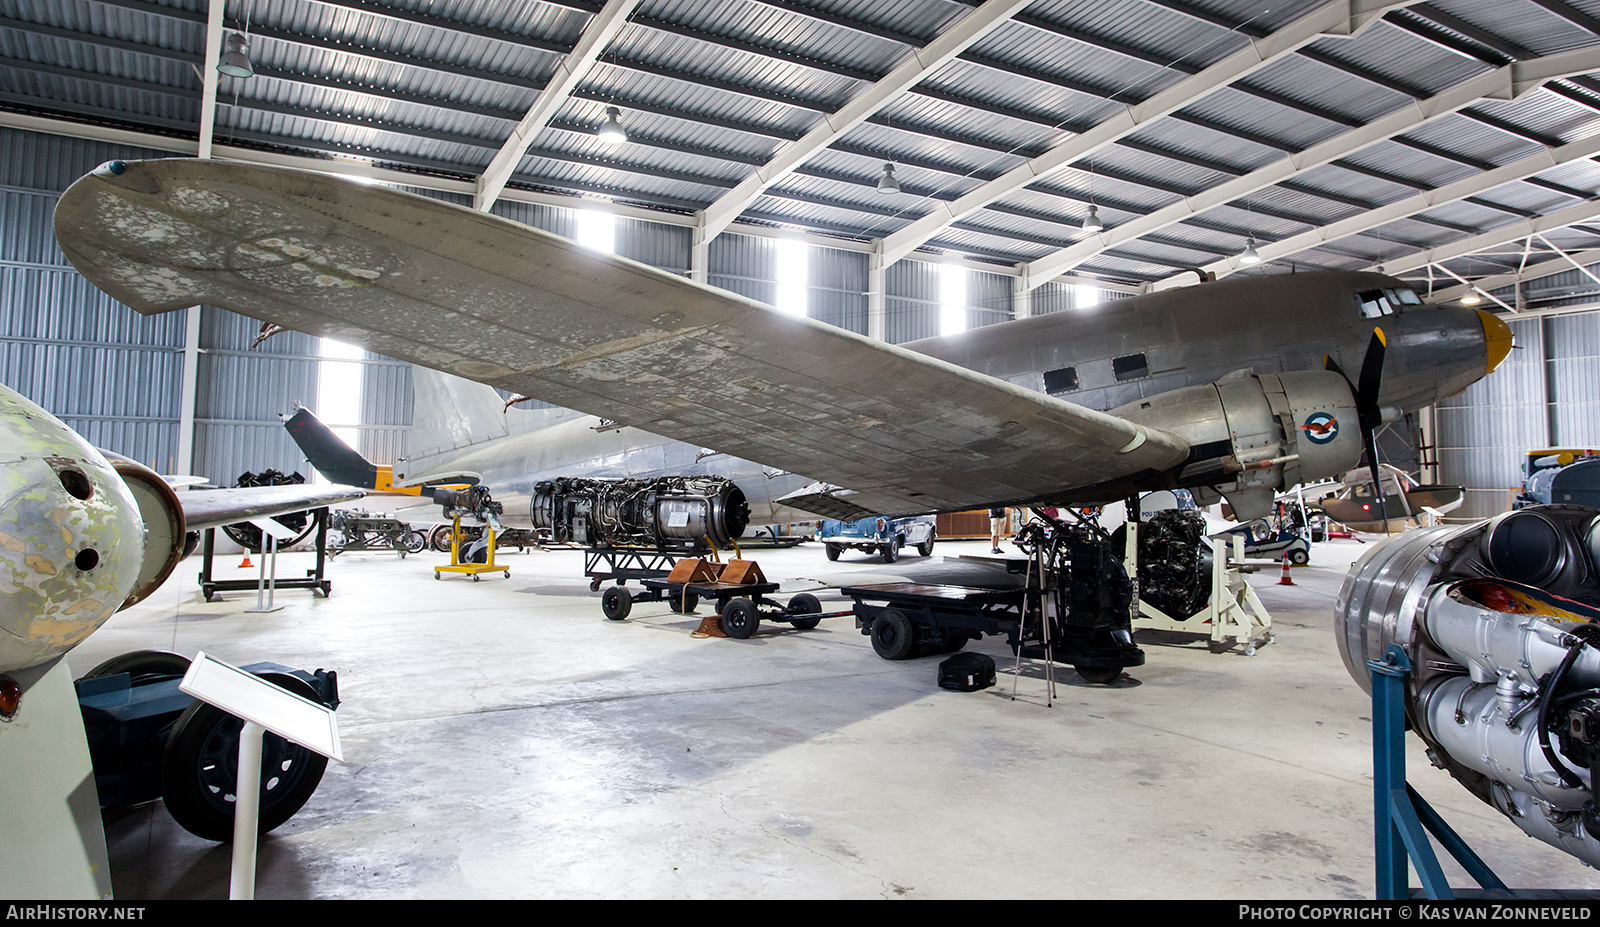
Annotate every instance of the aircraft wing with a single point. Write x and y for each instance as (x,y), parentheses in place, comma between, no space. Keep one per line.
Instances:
(491,300)
(213,508)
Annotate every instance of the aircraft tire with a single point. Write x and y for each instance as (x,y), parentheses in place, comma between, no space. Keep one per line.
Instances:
(805,604)
(616,602)
(199,769)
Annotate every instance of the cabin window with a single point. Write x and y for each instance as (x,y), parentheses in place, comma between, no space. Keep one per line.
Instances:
(1408,297)
(1130,367)
(1064,380)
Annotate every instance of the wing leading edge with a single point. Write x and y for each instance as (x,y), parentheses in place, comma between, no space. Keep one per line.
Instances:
(494,301)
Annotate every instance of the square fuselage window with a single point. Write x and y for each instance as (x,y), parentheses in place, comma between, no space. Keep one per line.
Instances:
(1131,367)
(1063,380)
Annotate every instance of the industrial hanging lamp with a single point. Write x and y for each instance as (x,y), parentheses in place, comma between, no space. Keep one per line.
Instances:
(888,183)
(612,132)
(235,60)
(1091,222)
(1472,298)
(1249,255)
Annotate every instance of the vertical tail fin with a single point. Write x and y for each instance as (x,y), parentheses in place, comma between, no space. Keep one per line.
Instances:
(333,458)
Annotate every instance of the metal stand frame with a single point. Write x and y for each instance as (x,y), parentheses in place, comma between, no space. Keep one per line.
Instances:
(314,580)
(625,563)
(1234,613)
(471,569)
(1402,819)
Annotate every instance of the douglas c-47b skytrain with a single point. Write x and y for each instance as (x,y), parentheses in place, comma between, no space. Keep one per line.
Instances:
(1233,389)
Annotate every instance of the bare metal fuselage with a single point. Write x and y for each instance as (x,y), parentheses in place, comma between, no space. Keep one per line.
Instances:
(1187,337)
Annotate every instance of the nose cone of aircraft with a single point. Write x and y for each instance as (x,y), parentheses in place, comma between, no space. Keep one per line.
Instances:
(1496,339)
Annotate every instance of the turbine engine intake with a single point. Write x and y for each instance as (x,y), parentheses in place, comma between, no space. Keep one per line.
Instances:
(671,511)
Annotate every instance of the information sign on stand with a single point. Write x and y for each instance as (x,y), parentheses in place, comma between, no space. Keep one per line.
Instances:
(263,707)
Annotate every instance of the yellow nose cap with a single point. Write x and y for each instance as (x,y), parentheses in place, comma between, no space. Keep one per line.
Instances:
(1496,340)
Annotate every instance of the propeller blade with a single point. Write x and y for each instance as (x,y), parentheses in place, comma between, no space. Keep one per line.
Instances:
(1372,377)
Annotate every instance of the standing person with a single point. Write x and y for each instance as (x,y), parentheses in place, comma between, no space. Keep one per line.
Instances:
(997,520)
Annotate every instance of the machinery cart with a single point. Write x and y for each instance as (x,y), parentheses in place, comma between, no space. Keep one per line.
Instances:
(917,619)
(742,595)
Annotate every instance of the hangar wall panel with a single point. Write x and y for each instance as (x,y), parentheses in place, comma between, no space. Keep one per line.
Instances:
(1484,433)
(1573,369)
(107,371)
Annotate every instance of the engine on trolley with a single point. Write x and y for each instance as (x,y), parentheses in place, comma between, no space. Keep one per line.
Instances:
(672,512)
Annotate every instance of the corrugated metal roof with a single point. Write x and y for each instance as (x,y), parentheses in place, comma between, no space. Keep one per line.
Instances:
(709,89)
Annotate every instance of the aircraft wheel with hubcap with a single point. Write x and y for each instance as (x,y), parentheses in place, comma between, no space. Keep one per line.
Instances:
(616,602)
(1299,557)
(805,604)
(894,637)
(141,663)
(739,618)
(200,769)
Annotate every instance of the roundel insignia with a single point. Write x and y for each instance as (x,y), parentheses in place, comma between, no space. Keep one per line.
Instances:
(1320,427)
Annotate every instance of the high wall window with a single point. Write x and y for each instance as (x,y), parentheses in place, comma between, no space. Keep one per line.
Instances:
(597,229)
(1083,297)
(793,266)
(952,299)
(339,392)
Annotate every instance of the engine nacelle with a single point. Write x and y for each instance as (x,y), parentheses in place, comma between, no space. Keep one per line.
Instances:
(1253,436)
(1498,620)
(674,511)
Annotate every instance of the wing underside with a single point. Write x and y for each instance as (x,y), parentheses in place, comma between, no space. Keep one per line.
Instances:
(213,508)
(488,299)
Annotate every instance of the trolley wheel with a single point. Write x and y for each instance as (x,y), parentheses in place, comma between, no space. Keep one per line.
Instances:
(617,602)
(684,603)
(926,548)
(832,551)
(476,577)
(1099,675)
(894,637)
(1299,557)
(953,641)
(141,663)
(740,618)
(594,585)
(200,769)
(805,604)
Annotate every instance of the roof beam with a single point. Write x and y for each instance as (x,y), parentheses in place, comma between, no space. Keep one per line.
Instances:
(1515,231)
(919,64)
(598,32)
(209,76)
(1504,83)
(1337,18)
(1400,209)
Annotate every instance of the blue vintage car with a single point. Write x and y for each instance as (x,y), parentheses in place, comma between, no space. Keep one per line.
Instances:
(875,534)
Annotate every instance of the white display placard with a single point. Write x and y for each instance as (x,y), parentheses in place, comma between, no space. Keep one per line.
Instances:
(275,528)
(310,724)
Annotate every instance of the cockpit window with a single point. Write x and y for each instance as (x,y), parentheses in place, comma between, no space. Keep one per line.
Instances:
(1408,297)
(1376,303)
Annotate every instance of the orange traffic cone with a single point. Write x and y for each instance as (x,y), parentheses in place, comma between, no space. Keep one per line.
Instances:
(246,564)
(1284,579)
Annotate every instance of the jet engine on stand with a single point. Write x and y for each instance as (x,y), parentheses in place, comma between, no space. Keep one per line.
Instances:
(683,512)
(1498,621)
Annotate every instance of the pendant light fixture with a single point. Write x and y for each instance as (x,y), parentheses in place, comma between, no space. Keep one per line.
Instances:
(888,183)
(1249,255)
(612,133)
(235,60)
(1091,222)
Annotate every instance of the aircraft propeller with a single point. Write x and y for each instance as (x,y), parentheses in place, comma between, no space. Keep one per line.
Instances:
(1368,414)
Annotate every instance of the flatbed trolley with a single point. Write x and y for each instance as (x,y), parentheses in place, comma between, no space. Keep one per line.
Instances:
(741,605)
(624,563)
(918,618)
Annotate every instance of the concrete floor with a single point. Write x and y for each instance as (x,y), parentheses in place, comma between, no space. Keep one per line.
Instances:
(503,740)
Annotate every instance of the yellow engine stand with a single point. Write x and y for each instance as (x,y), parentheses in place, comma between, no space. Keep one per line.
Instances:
(472,569)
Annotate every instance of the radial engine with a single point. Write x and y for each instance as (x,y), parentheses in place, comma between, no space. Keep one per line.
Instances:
(663,512)
(1498,620)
